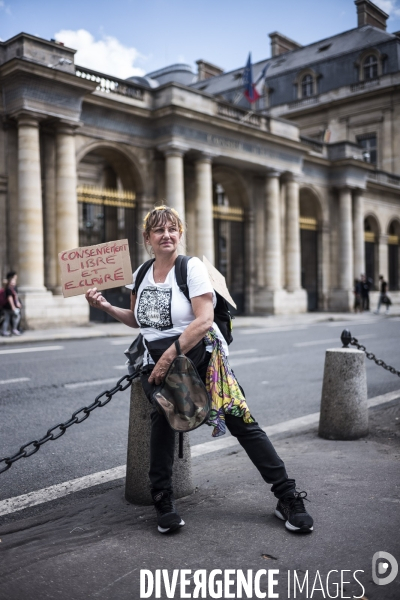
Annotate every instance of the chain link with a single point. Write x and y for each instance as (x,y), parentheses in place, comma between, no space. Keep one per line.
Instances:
(58,430)
(371,356)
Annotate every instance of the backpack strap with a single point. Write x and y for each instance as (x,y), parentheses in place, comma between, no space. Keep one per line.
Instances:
(141,273)
(181,266)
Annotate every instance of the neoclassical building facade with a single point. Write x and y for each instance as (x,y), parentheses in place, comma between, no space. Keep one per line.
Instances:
(291,201)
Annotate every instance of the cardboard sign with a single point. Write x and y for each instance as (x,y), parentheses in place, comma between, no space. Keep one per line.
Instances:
(218,282)
(103,266)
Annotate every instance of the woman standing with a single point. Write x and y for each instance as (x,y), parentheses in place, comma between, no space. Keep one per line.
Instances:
(12,307)
(164,314)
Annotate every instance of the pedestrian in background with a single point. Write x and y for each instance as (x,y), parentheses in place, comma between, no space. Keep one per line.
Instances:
(383,297)
(365,287)
(11,307)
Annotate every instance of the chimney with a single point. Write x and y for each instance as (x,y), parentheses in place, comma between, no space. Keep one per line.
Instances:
(280,44)
(207,70)
(369,14)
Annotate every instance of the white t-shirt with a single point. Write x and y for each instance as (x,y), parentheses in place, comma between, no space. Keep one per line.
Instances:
(162,310)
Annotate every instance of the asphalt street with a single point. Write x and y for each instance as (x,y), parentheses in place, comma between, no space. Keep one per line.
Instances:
(280,369)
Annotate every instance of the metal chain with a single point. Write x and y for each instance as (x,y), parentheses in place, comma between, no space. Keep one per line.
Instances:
(347,339)
(58,430)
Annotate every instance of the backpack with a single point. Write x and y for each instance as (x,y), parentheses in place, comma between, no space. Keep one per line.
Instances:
(3,298)
(222,315)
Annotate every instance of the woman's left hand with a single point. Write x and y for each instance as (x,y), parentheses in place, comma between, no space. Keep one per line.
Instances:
(160,370)
(96,299)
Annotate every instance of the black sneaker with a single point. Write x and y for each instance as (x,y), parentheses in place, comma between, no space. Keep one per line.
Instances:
(167,518)
(292,510)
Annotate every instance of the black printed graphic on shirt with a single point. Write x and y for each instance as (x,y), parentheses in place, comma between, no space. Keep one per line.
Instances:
(154,309)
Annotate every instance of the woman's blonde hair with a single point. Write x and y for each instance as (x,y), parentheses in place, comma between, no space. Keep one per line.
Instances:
(160,215)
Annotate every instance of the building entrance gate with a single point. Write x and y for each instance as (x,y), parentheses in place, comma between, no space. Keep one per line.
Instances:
(230,251)
(106,215)
(309,260)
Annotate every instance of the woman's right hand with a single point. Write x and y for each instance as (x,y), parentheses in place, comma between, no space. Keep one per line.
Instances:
(97,300)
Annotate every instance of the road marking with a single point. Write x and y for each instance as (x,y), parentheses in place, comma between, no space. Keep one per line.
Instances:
(235,352)
(238,362)
(53,492)
(252,331)
(17,380)
(61,489)
(123,342)
(389,397)
(330,341)
(351,323)
(35,349)
(73,386)
(121,367)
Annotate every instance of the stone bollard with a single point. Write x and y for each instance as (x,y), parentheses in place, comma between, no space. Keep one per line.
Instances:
(344,408)
(137,486)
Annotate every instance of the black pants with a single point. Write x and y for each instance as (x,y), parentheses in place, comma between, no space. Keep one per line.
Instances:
(250,436)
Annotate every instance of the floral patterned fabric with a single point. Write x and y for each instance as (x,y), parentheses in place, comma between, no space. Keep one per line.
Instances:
(221,384)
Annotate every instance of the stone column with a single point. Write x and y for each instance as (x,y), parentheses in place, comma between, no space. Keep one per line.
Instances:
(4,254)
(358,233)
(250,263)
(30,223)
(272,233)
(204,209)
(143,207)
(259,229)
(49,212)
(174,181)
(345,240)
(293,257)
(66,200)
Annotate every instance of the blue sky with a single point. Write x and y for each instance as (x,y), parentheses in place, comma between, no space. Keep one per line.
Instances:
(127,37)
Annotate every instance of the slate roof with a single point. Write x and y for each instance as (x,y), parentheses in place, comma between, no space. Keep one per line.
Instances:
(343,43)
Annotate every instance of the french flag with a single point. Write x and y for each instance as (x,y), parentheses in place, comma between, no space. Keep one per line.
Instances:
(253,91)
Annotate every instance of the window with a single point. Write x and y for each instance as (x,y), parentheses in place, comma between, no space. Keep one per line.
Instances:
(307,86)
(369,146)
(370,67)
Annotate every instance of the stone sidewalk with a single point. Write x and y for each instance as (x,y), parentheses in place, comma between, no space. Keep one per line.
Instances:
(98,330)
(95,544)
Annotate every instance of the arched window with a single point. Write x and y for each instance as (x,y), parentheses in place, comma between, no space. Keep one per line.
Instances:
(370,67)
(307,86)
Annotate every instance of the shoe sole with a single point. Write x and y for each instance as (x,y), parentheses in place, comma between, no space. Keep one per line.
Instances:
(173,527)
(291,527)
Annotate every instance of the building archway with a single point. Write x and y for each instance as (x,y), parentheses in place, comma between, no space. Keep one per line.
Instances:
(229,201)
(311,246)
(371,240)
(394,255)
(107,209)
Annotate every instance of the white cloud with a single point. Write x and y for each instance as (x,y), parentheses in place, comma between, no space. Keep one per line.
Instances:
(391,7)
(106,55)
(5,7)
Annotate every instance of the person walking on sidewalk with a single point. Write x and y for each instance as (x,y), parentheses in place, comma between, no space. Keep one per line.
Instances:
(164,314)
(365,287)
(12,306)
(383,297)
